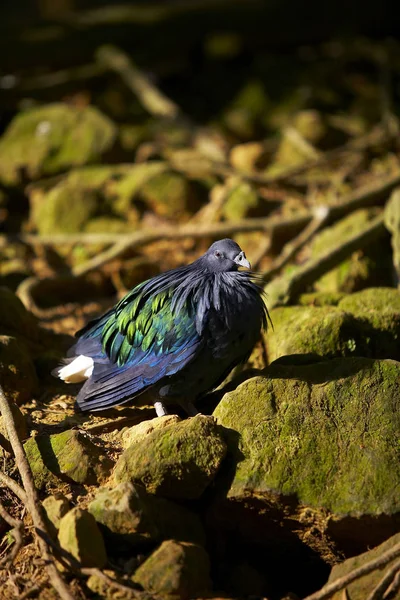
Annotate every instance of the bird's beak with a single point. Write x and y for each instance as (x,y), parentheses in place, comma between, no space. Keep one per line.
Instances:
(242,261)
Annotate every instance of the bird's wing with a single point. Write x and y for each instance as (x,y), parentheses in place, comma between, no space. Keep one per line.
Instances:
(142,340)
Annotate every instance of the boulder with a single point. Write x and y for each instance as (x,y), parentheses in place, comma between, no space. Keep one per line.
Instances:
(17,371)
(314,448)
(133,434)
(131,517)
(377,311)
(56,508)
(52,138)
(316,331)
(80,536)
(178,461)
(175,571)
(369,267)
(69,455)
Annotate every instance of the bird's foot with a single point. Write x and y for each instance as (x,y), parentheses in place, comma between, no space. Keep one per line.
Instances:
(160,409)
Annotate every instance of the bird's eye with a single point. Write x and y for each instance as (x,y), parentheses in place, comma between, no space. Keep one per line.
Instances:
(218,254)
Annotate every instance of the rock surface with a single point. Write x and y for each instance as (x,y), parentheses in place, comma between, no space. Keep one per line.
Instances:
(56,508)
(365,323)
(51,138)
(175,571)
(363,268)
(178,461)
(322,436)
(69,454)
(131,517)
(140,431)
(80,536)
(17,371)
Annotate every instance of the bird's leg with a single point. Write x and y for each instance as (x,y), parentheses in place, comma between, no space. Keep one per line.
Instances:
(160,409)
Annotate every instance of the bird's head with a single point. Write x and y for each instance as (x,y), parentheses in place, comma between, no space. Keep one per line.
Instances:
(225,255)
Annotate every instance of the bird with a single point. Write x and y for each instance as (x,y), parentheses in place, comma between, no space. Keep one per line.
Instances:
(177,335)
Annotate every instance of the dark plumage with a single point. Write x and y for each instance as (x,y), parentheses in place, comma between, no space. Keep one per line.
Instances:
(179,333)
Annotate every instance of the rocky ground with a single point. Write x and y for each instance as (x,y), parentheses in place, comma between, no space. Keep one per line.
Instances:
(289,479)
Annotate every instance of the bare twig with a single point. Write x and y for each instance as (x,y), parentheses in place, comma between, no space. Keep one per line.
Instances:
(283,289)
(33,503)
(13,486)
(387,579)
(393,588)
(291,248)
(17,530)
(111,582)
(153,100)
(343,582)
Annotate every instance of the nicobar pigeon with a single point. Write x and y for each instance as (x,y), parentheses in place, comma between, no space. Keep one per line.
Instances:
(179,333)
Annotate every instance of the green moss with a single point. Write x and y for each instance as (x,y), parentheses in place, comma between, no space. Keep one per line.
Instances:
(68,454)
(170,195)
(378,313)
(320,331)
(241,200)
(370,267)
(175,571)
(98,198)
(178,461)
(52,138)
(131,517)
(320,299)
(327,433)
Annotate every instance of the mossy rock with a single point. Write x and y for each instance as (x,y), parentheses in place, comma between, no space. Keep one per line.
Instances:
(52,138)
(178,461)
(369,267)
(326,434)
(362,587)
(17,371)
(94,199)
(129,435)
(69,455)
(170,195)
(56,507)
(130,517)
(175,571)
(320,299)
(241,202)
(378,312)
(20,425)
(312,332)
(80,536)
(310,126)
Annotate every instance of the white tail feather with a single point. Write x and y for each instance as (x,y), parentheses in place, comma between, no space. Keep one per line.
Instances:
(78,370)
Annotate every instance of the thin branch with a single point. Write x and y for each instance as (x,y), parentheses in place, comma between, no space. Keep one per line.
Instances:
(152,99)
(13,486)
(342,582)
(18,529)
(387,579)
(111,582)
(293,247)
(285,288)
(393,588)
(33,503)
